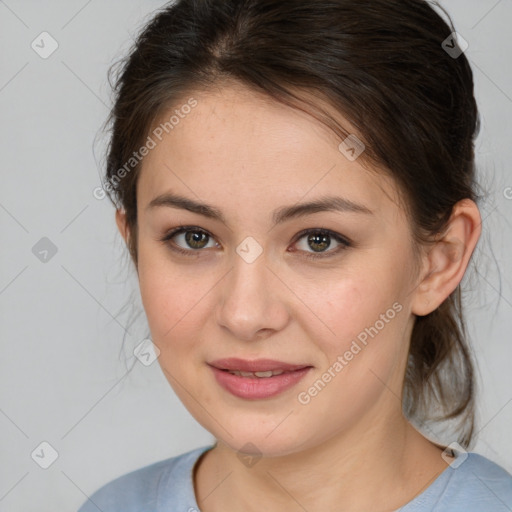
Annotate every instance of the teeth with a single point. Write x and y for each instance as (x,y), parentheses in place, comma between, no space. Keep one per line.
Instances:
(269,373)
(263,374)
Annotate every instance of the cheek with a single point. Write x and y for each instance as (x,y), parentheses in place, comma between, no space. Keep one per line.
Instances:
(364,342)
(171,300)
(354,304)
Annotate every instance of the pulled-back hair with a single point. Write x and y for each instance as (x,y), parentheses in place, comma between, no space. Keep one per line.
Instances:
(381,64)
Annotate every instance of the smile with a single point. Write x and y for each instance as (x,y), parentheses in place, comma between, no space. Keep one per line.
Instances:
(257,379)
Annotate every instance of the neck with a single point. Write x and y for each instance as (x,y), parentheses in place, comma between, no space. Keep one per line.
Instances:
(377,466)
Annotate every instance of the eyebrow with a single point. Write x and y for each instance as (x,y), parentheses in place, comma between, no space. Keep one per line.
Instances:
(280,215)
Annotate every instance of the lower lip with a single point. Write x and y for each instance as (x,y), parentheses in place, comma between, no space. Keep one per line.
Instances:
(254,388)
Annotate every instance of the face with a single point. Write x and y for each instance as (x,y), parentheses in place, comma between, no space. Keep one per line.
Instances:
(318,297)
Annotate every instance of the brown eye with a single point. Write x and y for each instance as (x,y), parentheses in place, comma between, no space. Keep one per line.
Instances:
(187,239)
(196,239)
(318,241)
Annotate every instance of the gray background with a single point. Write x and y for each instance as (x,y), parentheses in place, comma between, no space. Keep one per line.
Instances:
(63,374)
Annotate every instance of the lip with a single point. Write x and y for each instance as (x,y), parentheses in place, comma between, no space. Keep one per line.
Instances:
(257,388)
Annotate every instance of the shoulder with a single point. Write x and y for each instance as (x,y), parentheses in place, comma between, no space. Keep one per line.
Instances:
(162,483)
(475,484)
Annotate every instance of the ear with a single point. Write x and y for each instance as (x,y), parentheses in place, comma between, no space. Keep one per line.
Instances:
(122,225)
(446,261)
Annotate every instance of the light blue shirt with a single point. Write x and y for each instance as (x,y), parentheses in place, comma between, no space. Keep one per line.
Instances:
(476,485)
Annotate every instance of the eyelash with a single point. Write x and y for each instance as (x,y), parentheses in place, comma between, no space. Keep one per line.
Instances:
(345,244)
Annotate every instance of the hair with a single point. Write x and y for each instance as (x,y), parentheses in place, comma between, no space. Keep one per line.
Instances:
(378,63)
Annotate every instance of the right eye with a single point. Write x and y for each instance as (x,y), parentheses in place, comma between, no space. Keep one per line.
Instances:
(192,239)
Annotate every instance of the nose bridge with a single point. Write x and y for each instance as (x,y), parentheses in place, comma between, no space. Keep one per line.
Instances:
(250,300)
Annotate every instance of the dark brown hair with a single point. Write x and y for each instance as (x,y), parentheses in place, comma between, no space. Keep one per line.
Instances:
(378,63)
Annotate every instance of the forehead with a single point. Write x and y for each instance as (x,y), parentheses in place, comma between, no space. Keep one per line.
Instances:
(239,147)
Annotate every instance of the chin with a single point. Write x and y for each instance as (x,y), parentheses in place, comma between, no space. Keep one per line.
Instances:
(248,437)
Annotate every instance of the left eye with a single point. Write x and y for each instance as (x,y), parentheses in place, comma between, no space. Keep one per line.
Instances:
(320,240)
(194,239)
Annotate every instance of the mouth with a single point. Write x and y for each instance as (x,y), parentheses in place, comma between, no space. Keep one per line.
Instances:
(259,375)
(257,379)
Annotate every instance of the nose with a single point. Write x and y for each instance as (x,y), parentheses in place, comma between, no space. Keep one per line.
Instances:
(252,301)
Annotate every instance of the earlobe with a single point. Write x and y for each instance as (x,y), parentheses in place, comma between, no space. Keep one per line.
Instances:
(122,225)
(448,259)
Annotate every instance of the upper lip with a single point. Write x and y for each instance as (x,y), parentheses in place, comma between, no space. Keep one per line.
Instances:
(255,365)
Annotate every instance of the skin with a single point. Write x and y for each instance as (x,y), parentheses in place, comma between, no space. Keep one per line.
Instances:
(349,448)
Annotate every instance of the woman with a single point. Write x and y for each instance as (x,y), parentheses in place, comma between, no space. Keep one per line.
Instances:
(295,182)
